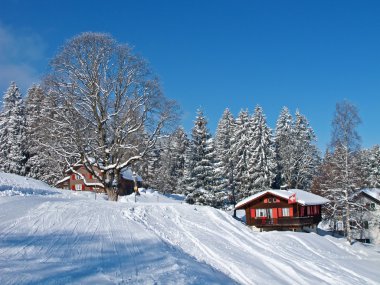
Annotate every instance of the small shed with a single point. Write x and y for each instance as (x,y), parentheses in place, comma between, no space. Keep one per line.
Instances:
(292,209)
(127,182)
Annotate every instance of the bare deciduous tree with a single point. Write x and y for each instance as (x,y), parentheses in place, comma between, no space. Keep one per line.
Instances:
(345,142)
(107,108)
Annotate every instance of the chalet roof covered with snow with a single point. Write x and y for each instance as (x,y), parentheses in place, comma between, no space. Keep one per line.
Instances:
(127,174)
(373,193)
(302,197)
(63,180)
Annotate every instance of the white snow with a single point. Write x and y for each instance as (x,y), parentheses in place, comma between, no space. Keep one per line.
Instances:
(11,184)
(302,197)
(69,237)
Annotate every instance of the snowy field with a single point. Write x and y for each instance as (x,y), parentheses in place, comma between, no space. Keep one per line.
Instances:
(50,236)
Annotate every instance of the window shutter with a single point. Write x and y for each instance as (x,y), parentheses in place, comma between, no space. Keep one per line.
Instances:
(253,213)
(90,176)
(73,187)
(82,186)
(274,213)
(291,211)
(73,177)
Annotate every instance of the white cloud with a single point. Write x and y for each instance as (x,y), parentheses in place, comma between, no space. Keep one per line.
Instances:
(20,53)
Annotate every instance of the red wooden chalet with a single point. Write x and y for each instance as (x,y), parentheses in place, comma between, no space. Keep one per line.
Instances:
(80,179)
(283,210)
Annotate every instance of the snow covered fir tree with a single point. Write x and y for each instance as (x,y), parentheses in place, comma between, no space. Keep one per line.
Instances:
(201,179)
(13,132)
(263,164)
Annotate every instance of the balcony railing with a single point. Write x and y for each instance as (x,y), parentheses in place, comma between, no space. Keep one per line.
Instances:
(285,221)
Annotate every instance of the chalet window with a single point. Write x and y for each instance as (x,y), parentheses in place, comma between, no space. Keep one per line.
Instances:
(272,200)
(78,187)
(372,206)
(261,213)
(78,177)
(285,212)
(365,224)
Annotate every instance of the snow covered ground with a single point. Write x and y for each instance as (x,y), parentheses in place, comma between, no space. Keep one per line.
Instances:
(50,236)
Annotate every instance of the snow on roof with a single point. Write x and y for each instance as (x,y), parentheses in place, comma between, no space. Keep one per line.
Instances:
(63,180)
(373,192)
(302,197)
(127,174)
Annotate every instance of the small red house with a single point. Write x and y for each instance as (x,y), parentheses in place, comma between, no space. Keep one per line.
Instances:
(80,179)
(293,209)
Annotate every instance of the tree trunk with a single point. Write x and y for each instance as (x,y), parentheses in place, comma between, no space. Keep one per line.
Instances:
(348,217)
(112,194)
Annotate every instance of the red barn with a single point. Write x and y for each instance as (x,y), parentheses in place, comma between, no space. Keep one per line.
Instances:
(283,210)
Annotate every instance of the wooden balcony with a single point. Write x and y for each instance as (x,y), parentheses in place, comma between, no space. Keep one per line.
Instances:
(286,222)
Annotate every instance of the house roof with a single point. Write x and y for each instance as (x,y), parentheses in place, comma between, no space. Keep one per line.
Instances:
(127,174)
(374,193)
(63,180)
(302,197)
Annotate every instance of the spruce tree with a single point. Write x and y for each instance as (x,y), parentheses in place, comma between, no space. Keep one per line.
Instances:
(373,162)
(171,162)
(241,155)
(37,165)
(13,133)
(200,172)
(223,144)
(305,155)
(262,162)
(284,147)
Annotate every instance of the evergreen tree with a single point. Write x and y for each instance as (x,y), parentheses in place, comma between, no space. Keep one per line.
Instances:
(223,144)
(284,147)
(180,144)
(203,168)
(171,162)
(306,156)
(200,170)
(13,133)
(241,155)
(262,162)
(296,152)
(39,164)
(373,164)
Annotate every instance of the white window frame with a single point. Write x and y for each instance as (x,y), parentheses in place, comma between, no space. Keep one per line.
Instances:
(261,213)
(286,212)
(78,177)
(78,187)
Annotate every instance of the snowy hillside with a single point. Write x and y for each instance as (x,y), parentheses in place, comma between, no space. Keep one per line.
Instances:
(67,237)
(11,184)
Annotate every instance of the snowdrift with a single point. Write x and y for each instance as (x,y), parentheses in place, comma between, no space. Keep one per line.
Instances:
(11,184)
(72,238)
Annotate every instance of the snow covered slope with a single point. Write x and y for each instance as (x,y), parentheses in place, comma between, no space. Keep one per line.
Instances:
(11,184)
(69,237)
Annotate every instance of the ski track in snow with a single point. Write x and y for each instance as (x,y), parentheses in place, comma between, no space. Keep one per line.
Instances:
(70,239)
(277,263)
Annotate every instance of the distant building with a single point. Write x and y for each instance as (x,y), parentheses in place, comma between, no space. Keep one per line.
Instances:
(293,209)
(78,178)
(369,216)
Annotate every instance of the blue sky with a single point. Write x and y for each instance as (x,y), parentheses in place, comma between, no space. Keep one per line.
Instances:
(217,54)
